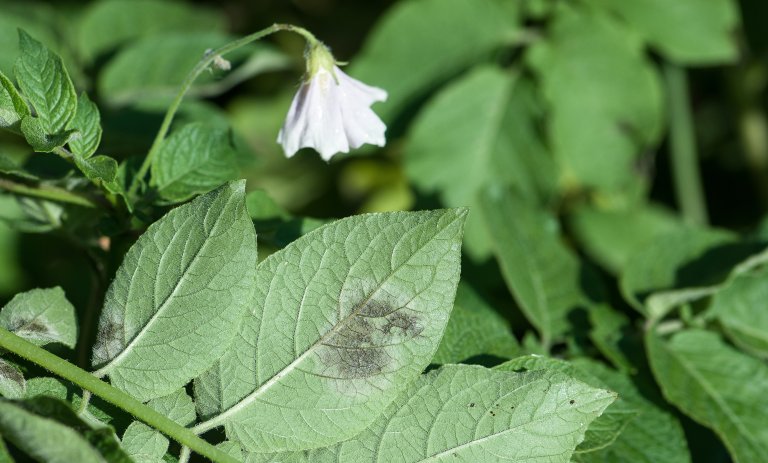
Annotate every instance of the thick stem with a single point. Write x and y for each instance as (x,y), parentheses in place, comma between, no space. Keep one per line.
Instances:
(201,66)
(685,163)
(87,381)
(47,192)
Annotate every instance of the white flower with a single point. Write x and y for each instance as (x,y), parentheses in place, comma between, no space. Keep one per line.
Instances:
(331,111)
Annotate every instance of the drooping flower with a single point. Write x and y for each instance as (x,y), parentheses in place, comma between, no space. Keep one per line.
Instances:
(331,112)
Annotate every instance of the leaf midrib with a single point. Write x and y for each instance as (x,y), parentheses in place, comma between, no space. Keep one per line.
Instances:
(250,398)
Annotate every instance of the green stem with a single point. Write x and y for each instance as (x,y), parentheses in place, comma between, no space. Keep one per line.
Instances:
(201,66)
(47,192)
(685,166)
(87,381)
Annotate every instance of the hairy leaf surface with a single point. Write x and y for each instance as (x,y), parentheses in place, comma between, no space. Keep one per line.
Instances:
(345,317)
(178,298)
(87,123)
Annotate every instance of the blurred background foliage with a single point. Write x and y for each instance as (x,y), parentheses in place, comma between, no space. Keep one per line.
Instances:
(602,145)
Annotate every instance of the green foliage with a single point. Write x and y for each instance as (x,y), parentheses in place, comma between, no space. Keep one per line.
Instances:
(525,272)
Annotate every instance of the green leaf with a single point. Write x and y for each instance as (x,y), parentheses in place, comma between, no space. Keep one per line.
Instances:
(613,335)
(689,32)
(102,170)
(541,273)
(143,444)
(146,445)
(40,139)
(605,98)
(684,258)
(151,70)
(41,316)
(717,386)
(12,382)
(470,413)
(345,317)
(47,429)
(87,123)
(110,23)
(740,307)
(457,156)
(179,296)
(46,85)
(606,428)
(653,435)
(13,108)
(474,329)
(431,50)
(5,456)
(610,236)
(193,160)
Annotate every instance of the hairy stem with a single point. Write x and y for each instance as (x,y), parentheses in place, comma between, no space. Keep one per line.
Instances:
(201,66)
(87,381)
(47,192)
(685,164)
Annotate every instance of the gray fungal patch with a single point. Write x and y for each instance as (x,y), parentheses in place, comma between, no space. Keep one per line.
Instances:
(364,344)
(109,342)
(33,328)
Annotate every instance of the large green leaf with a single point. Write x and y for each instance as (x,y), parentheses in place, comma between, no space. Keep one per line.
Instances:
(457,155)
(345,317)
(689,32)
(41,316)
(605,98)
(430,51)
(543,275)
(717,386)
(741,308)
(193,160)
(606,428)
(179,296)
(46,85)
(473,414)
(474,329)
(110,23)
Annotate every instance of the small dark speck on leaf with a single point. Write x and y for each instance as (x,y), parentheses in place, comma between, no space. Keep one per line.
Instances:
(573,401)
(472,405)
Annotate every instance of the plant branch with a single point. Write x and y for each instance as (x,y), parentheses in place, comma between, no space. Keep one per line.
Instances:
(47,192)
(685,167)
(87,381)
(201,66)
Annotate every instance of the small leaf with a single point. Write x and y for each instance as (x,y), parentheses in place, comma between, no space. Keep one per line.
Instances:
(143,444)
(46,85)
(474,329)
(179,296)
(177,406)
(12,382)
(345,317)
(102,170)
(542,274)
(689,32)
(194,160)
(717,386)
(41,316)
(87,123)
(473,414)
(41,140)
(740,307)
(13,108)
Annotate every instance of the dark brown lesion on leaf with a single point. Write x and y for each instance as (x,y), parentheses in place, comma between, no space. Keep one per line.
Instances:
(361,346)
(10,372)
